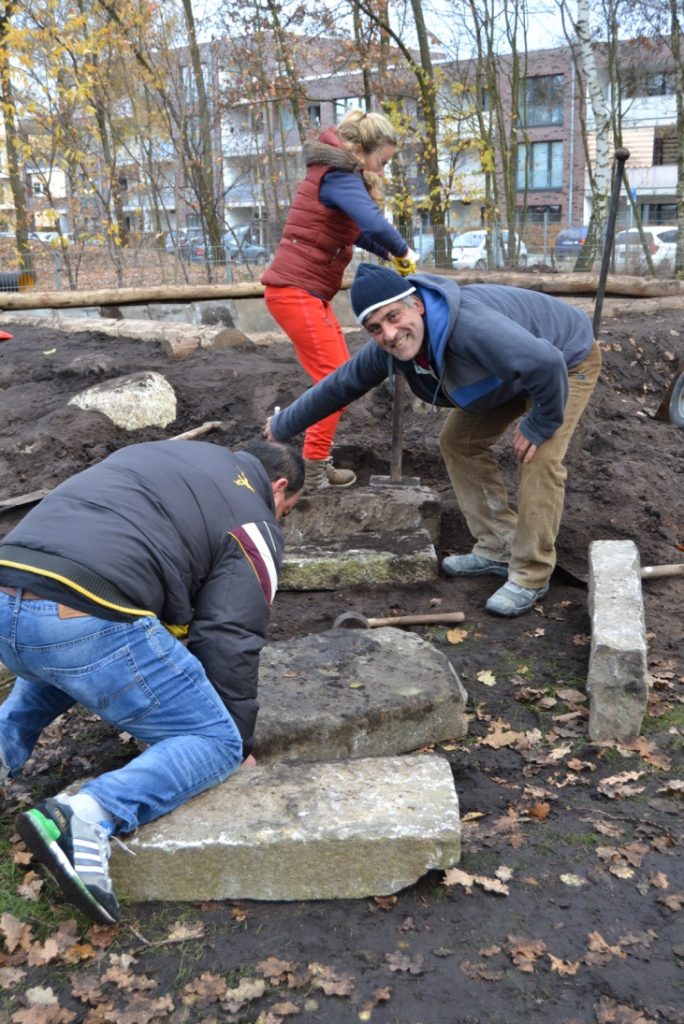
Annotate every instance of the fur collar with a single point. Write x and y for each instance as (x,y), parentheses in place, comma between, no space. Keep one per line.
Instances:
(337,157)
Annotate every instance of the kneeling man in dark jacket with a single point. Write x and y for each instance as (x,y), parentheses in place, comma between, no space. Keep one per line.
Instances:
(160,542)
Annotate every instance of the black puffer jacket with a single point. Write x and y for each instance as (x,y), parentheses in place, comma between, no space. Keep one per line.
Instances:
(182,530)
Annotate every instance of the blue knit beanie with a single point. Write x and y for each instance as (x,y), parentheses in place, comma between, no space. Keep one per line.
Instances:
(375,286)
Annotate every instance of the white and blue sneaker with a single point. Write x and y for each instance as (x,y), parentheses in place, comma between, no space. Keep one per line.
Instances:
(76,853)
(512,599)
(473,565)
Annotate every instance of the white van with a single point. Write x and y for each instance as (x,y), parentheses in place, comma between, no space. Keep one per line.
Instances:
(469,250)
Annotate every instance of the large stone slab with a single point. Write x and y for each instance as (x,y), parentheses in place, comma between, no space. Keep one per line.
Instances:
(138,400)
(355,693)
(300,832)
(354,510)
(618,678)
(362,559)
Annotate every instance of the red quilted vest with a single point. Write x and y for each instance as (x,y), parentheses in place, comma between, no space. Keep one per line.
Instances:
(316,247)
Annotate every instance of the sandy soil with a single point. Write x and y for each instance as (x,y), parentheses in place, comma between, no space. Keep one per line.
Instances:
(585,839)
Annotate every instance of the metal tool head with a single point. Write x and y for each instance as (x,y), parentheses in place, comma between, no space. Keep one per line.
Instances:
(351,620)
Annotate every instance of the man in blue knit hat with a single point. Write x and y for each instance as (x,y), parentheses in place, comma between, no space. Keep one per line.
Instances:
(495,356)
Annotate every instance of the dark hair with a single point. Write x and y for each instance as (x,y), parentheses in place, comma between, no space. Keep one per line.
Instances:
(279,460)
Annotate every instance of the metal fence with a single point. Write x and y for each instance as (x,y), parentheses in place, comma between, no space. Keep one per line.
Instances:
(148,264)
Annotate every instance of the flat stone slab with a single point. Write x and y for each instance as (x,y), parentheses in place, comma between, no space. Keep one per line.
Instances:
(617,682)
(355,693)
(144,399)
(343,830)
(363,559)
(354,510)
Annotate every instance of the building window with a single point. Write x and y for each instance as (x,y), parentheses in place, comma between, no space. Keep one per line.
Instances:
(286,117)
(543,162)
(346,104)
(539,215)
(640,83)
(659,213)
(541,101)
(664,148)
(314,113)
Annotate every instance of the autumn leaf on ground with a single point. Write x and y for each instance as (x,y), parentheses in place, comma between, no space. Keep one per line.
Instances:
(570,695)
(403,962)
(11,976)
(248,990)
(647,750)
(17,933)
(274,970)
(500,735)
(600,951)
(609,1011)
(617,785)
(204,990)
(566,968)
(385,902)
(673,786)
(481,972)
(328,979)
(182,931)
(576,881)
(486,677)
(285,1009)
(380,995)
(456,636)
(525,952)
(454,876)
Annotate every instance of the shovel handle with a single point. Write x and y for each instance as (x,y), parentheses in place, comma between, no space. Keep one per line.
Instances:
(416,620)
(676,569)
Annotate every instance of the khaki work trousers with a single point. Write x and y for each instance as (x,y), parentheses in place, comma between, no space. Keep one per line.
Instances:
(526,539)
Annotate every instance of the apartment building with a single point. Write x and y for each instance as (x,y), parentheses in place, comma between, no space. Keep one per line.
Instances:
(260,117)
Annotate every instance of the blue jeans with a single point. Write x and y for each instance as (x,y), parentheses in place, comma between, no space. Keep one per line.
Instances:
(136,676)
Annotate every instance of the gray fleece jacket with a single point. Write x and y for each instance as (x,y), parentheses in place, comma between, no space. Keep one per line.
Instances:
(485,344)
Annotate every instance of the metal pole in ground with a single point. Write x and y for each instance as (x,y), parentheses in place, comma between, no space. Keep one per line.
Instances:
(395,479)
(621,158)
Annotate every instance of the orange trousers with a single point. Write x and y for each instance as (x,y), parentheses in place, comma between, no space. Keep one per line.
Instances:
(314,330)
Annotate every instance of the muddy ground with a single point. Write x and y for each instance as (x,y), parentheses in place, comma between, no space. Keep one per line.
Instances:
(572,906)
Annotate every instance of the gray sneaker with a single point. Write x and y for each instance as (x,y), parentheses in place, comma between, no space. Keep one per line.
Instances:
(473,565)
(512,599)
(76,854)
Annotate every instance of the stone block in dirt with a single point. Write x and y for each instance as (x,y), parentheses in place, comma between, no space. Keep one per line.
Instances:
(349,511)
(300,832)
(618,671)
(356,693)
(363,560)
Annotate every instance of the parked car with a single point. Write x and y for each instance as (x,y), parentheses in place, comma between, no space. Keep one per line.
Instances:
(469,250)
(51,238)
(237,247)
(176,241)
(569,242)
(662,243)
(424,246)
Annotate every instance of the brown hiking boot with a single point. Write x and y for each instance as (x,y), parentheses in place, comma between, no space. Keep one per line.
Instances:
(320,473)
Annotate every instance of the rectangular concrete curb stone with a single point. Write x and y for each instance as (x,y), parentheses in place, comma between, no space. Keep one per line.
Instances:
(617,681)
(361,510)
(342,830)
(367,559)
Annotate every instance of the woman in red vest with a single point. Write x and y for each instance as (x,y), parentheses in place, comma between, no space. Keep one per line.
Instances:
(335,208)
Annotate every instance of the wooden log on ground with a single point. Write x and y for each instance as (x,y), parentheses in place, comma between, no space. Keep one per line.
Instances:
(553,284)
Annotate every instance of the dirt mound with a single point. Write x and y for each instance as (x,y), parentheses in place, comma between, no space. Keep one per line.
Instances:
(571,904)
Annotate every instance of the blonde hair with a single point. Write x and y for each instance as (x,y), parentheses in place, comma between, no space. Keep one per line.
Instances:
(369,131)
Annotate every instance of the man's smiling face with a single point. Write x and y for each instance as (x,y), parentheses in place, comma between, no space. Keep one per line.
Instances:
(398,327)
